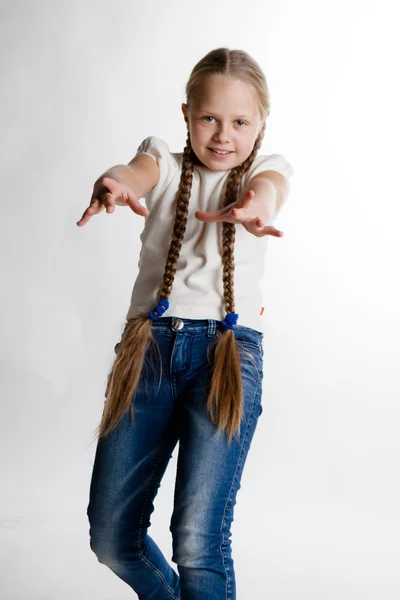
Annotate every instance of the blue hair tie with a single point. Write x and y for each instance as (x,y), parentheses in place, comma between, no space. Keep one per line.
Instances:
(230,320)
(160,309)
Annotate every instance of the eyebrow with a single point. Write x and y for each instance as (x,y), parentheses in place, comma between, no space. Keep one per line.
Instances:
(211,112)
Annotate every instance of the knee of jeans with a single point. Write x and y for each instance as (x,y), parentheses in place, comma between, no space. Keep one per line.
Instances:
(105,548)
(110,547)
(198,549)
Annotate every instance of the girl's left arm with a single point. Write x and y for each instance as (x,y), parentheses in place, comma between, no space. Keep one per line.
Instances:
(271,190)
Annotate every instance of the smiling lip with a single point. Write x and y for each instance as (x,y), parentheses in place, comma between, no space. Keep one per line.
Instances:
(216,153)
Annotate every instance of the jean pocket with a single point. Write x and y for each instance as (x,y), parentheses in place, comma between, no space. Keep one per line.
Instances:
(249,338)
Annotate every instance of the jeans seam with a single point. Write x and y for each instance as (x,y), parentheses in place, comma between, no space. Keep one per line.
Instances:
(166,585)
(140,553)
(228,578)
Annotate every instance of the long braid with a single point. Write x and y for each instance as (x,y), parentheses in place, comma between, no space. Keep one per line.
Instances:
(225,400)
(229,229)
(137,336)
(182,207)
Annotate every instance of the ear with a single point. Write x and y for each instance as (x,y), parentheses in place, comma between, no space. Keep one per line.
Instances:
(185,114)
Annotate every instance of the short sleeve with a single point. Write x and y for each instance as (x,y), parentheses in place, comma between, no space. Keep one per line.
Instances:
(271,162)
(159,150)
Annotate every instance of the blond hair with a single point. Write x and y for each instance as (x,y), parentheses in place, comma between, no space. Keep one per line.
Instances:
(225,401)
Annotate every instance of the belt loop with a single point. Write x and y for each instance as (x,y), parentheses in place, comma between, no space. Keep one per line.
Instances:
(211,327)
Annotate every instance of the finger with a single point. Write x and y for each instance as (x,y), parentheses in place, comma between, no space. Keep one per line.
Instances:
(247,197)
(269,230)
(135,205)
(125,195)
(95,208)
(112,185)
(107,189)
(207,217)
(109,202)
(99,189)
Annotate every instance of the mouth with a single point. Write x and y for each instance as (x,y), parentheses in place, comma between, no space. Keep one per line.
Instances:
(220,153)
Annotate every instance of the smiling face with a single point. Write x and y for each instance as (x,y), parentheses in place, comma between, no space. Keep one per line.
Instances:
(225,116)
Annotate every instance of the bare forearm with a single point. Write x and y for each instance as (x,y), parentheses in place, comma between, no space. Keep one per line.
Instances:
(264,203)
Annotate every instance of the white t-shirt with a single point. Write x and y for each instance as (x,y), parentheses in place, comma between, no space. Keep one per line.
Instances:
(197,291)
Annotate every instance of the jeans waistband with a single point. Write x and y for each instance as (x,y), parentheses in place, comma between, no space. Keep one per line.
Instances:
(193,325)
(208,326)
(190,325)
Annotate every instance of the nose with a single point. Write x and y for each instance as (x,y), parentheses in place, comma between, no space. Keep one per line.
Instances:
(222,134)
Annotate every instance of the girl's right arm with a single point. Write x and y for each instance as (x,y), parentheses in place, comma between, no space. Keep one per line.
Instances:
(123,185)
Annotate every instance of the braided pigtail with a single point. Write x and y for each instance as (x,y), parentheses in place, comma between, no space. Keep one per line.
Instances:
(137,337)
(225,401)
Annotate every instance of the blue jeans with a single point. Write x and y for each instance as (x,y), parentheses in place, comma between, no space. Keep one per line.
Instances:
(130,463)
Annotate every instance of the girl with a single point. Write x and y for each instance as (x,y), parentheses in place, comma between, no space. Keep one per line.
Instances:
(194,376)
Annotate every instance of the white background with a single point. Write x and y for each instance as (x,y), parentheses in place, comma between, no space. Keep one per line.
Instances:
(82,84)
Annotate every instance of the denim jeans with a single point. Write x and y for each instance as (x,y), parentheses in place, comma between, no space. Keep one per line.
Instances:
(130,463)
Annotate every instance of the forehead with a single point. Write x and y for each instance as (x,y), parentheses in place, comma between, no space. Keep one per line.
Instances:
(224,95)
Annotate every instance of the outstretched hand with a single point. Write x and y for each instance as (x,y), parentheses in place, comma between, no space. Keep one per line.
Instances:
(242,211)
(109,191)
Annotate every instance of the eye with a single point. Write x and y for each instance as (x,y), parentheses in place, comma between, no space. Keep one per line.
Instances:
(237,121)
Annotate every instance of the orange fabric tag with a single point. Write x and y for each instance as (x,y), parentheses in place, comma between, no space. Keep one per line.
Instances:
(262,310)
